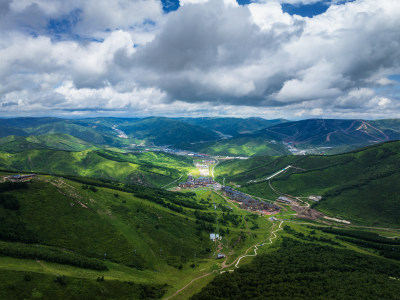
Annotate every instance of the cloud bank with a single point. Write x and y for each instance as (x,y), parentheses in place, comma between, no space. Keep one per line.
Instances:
(216,57)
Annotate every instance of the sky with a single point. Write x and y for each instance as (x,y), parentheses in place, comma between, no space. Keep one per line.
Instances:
(292,59)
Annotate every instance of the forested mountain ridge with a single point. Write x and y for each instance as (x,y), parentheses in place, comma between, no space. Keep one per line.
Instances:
(150,168)
(215,136)
(233,126)
(357,186)
(333,132)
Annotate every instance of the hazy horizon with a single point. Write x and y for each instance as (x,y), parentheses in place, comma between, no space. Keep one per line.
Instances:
(194,117)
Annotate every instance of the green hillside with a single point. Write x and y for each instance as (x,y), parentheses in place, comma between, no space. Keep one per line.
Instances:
(357,186)
(241,146)
(62,238)
(106,122)
(14,144)
(299,270)
(391,127)
(156,169)
(328,136)
(333,132)
(104,131)
(164,131)
(90,133)
(109,229)
(6,131)
(233,126)
(35,285)
(27,122)
(257,167)
(221,136)
(93,223)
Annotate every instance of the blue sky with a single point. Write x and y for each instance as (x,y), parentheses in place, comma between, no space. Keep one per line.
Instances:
(299,9)
(62,26)
(265,58)
(305,10)
(309,10)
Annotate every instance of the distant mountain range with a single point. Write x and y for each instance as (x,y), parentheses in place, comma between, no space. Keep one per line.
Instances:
(233,126)
(58,141)
(216,136)
(331,132)
(111,131)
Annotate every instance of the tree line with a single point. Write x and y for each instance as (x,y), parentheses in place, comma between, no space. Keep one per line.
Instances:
(301,270)
(50,254)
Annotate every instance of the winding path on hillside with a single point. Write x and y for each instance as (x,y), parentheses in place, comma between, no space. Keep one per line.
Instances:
(235,262)
(193,280)
(272,237)
(172,182)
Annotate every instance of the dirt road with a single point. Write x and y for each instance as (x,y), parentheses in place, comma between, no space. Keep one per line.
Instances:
(235,262)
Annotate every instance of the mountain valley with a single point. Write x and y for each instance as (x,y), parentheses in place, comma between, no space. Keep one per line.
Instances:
(108,208)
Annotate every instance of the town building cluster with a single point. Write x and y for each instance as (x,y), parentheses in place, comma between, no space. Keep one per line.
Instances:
(192,182)
(315,198)
(249,203)
(284,199)
(204,169)
(20,178)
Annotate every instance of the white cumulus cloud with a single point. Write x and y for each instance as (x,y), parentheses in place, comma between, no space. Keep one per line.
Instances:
(208,57)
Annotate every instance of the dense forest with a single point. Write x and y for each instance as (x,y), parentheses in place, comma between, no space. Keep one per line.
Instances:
(300,270)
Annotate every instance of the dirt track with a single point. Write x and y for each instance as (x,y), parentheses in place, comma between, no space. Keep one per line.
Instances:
(235,262)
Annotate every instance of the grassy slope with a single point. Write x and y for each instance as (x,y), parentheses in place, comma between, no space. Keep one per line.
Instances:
(357,185)
(110,224)
(149,168)
(308,270)
(341,134)
(99,131)
(254,168)
(164,131)
(163,239)
(94,133)
(390,126)
(80,131)
(117,226)
(25,122)
(31,285)
(333,132)
(233,126)
(240,146)
(14,144)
